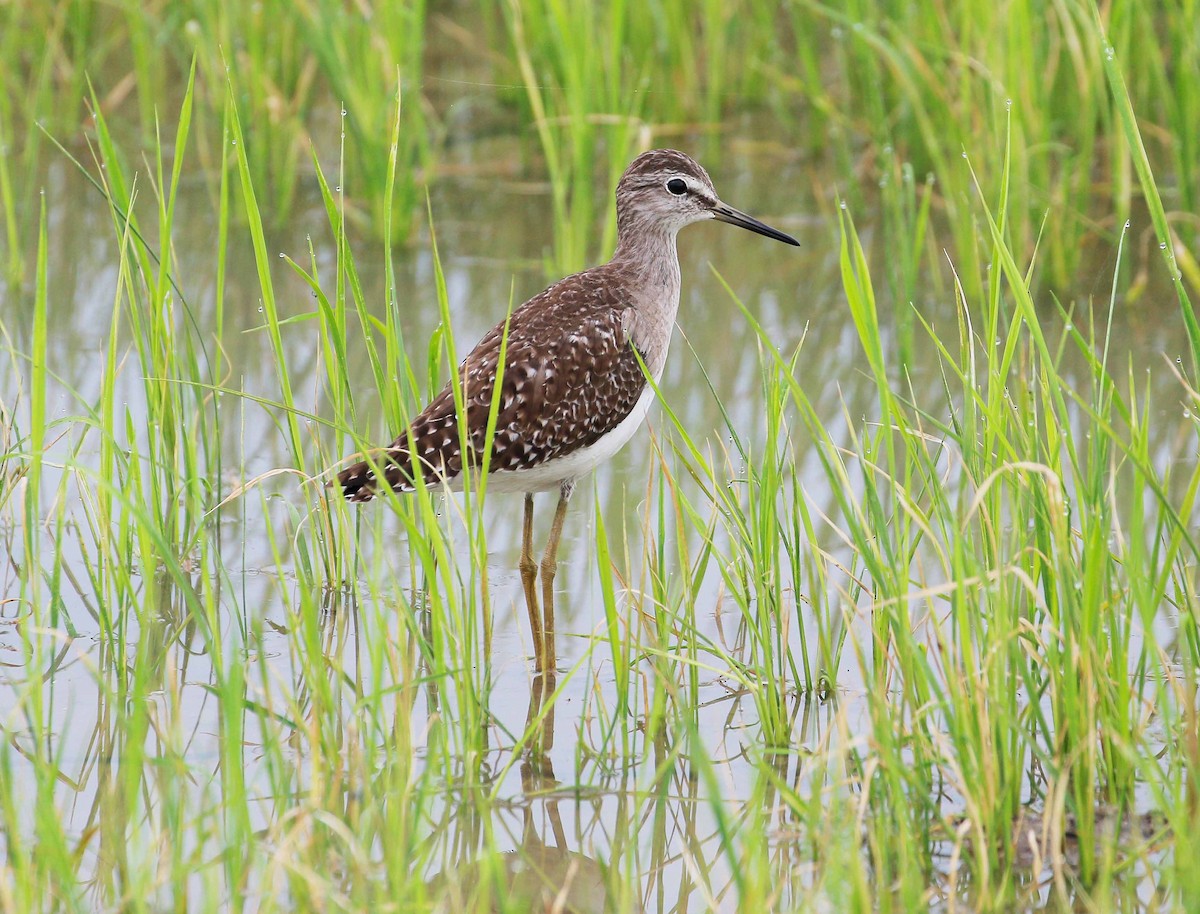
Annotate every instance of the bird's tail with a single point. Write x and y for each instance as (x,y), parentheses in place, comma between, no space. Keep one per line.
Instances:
(357,482)
(360,481)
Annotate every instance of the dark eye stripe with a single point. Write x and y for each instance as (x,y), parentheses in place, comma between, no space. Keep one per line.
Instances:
(677,186)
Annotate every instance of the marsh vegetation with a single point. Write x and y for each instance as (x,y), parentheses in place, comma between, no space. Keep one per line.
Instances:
(892,608)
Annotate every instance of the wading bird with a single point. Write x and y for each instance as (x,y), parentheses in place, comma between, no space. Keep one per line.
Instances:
(574,385)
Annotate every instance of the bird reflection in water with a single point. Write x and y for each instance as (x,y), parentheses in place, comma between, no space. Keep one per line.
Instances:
(542,874)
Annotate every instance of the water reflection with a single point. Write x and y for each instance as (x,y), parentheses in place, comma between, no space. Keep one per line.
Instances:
(549,868)
(346,747)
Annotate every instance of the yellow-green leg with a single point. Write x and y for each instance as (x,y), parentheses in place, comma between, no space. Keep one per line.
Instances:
(529,570)
(549,567)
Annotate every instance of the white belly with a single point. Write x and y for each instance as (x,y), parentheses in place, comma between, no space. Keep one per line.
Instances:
(553,473)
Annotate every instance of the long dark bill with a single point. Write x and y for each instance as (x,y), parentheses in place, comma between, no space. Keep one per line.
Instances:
(726,213)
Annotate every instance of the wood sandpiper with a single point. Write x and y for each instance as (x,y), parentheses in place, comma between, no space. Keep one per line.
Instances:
(574,385)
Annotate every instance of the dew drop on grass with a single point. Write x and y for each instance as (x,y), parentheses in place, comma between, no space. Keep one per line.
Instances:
(282,255)
(1008,104)
(338,188)
(343,112)
(1162,245)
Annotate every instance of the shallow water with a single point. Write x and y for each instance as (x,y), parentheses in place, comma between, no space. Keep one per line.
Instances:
(646,824)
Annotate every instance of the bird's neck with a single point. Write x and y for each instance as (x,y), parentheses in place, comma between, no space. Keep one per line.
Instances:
(644,240)
(648,264)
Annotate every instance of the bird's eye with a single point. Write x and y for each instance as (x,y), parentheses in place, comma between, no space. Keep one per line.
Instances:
(677,186)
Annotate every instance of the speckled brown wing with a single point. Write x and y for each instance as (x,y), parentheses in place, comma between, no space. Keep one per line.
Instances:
(570,375)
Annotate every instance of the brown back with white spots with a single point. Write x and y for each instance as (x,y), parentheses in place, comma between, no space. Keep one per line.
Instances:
(570,375)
